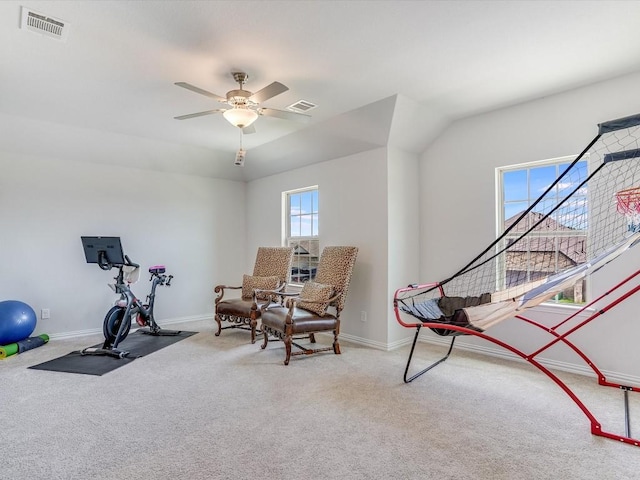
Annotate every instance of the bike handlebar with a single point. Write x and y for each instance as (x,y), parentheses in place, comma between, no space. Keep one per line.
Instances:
(130,263)
(162,279)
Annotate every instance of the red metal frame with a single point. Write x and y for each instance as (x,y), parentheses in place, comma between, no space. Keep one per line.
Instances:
(596,427)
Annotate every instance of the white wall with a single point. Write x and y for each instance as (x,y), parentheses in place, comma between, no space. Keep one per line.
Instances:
(353,211)
(457,176)
(193,225)
(403,231)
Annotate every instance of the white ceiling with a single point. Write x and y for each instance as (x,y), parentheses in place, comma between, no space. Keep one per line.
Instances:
(107,93)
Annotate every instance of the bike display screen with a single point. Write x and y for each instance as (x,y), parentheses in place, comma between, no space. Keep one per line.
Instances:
(101,249)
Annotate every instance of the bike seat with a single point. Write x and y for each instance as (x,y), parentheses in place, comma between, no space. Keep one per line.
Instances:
(157,269)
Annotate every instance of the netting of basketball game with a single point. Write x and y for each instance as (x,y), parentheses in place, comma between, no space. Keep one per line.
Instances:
(588,216)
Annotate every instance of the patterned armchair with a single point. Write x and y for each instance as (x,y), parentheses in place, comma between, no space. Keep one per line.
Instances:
(270,272)
(316,308)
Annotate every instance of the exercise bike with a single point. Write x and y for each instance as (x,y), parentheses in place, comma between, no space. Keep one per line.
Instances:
(128,308)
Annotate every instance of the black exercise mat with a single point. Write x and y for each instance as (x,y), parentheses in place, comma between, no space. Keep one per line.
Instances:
(138,344)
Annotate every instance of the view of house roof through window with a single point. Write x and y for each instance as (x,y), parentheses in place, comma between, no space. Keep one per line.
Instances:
(555,242)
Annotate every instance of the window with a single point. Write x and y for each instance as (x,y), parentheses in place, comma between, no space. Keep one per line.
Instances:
(301,232)
(555,244)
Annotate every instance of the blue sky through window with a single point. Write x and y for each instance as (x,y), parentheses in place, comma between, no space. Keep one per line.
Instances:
(304,213)
(522,187)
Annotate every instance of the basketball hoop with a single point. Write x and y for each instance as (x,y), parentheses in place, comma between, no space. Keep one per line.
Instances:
(628,204)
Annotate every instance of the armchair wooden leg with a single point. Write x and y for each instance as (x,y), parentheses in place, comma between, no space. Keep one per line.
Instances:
(312,337)
(336,345)
(266,338)
(219,322)
(253,324)
(287,346)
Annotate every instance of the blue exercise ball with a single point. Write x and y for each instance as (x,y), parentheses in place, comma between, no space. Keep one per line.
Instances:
(17,321)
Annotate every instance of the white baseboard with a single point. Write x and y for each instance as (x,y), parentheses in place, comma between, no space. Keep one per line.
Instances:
(552,364)
(363,341)
(578,369)
(94,331)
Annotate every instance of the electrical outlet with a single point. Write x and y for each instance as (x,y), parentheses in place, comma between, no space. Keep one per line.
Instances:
(363,316)
(45,314)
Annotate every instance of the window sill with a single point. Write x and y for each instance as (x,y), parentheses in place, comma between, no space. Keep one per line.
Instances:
(561,308)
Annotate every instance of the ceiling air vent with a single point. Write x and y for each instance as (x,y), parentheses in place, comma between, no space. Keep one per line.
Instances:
(301,106)
(44,24)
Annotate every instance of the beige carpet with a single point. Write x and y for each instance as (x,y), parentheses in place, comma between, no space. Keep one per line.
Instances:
(220,408)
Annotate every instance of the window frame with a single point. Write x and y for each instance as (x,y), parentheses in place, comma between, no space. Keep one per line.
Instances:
(501,207)
(299,275)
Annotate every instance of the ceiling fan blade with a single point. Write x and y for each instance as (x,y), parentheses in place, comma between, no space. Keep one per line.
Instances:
(276,88)
(272,112)
(193,88)
(199,114)
(249,129)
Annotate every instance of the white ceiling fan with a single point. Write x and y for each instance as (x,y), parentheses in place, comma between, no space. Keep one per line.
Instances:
(245,105)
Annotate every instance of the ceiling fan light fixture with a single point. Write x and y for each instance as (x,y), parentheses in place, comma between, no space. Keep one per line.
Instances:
(240,117)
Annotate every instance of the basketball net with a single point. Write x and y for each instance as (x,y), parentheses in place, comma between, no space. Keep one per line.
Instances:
(628,204)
